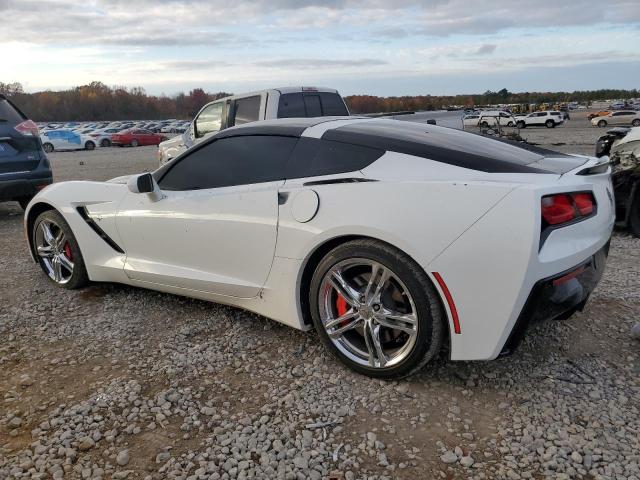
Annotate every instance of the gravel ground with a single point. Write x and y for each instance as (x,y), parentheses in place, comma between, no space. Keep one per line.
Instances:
(117,382)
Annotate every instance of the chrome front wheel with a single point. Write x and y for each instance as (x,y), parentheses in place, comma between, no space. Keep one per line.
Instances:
(57,251)
(54,251)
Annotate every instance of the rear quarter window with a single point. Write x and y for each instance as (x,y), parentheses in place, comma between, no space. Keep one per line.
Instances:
(315,157)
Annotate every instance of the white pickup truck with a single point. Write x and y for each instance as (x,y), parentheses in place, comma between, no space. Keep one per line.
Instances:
(287,102)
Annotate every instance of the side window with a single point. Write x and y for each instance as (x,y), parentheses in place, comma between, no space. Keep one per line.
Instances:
(230,161)
(209,120)
(314,157)
(247,110)
(312,105)
(332,105)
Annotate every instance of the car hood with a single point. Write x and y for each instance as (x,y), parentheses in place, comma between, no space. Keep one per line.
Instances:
(172,142)
(632,136)
(123,179)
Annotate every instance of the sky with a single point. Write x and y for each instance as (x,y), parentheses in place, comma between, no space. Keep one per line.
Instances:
(376,47)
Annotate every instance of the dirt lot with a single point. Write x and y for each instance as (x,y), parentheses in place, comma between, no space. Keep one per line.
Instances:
(116,382)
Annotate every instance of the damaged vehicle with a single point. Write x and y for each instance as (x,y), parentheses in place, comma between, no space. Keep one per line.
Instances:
(622,145)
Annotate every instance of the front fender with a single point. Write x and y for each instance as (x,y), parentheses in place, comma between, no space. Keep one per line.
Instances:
(101,200)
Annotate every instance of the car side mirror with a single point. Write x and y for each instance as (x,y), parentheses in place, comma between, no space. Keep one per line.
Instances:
(143,183)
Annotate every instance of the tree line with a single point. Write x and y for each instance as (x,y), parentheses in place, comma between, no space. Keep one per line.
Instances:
(98,101)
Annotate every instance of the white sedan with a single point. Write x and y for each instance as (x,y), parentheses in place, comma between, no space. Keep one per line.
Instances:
(392,239)
(66,140)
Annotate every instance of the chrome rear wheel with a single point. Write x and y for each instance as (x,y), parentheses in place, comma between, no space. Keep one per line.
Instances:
(368,313)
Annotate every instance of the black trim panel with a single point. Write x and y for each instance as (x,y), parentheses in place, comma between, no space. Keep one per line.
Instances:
(444,145)
(333,181)
(101,233)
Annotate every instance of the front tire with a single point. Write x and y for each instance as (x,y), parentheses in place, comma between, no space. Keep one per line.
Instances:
(636,122)
(89,146)
(105,143)
(47,147)
(376,309)
(521,124)
(602,123)
(134,143)
(550,124)
(57,251)
(510,124)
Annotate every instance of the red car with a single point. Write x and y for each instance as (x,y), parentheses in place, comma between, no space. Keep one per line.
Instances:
(136,137)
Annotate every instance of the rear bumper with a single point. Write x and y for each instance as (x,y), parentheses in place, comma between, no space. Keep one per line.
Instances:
(558,296)
(22,188)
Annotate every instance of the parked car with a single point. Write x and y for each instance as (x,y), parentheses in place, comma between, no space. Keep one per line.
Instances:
(136,137)
(621,117)
(622,145)
(601,113)
(103,136)
(24,167)
(489,119)
(257,216)
(62,139)
(226,112)
(549,119)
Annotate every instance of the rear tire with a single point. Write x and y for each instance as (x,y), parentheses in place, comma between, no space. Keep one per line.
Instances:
(636,122)
(403,344)
(89,146)
(134,143)
(52,240)
(105,143)
(47,147)
(602,123)
(521,124)
(510,124)
(550,124)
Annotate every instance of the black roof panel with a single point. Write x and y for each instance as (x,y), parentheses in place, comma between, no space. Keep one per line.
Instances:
(448,145)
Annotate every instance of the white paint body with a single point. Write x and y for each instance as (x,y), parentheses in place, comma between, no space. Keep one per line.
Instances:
(240,246)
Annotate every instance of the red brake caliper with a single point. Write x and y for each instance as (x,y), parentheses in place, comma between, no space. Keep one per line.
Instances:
(341,305)
(67,251)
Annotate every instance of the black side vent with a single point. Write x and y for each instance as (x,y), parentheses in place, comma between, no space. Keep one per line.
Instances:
(333,181)
(96,228)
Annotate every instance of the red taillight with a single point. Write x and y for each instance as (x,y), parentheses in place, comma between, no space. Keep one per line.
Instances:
(557,209)
(28,127)
(584,203)
(565,207)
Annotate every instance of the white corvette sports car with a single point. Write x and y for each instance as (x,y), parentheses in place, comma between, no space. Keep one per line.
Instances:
(393,239)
